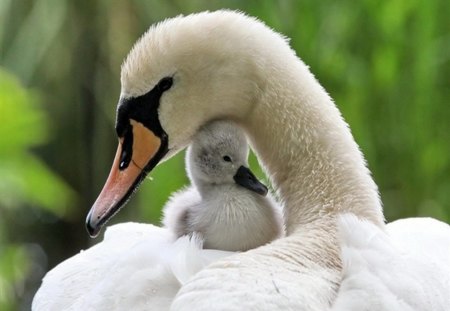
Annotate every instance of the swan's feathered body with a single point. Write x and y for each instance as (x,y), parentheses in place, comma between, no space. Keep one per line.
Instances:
(138,265)
(405,268)
(225,204)
(225,65)
(135,267)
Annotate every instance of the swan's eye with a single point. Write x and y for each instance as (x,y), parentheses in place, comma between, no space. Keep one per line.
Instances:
(227,158)
(165,83)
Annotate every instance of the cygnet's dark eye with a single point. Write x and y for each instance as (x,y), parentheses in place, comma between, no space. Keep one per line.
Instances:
(165,83)
(227,158)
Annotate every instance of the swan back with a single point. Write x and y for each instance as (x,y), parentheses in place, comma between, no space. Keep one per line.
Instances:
(136,267)
(404,268)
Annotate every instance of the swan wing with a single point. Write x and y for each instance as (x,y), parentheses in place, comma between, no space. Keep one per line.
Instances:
(135,267)
(405,268)
(76,276)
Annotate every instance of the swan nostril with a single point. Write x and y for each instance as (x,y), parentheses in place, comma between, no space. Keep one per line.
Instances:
(127,148)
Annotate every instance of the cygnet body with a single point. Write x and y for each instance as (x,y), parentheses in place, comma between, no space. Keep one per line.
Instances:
(225,204)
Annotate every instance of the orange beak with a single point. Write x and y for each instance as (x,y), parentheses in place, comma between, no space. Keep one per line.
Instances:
(122,182)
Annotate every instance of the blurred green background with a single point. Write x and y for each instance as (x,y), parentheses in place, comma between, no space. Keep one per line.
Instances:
(386,63)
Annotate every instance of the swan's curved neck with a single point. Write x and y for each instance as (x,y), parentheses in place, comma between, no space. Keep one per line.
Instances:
(310,154)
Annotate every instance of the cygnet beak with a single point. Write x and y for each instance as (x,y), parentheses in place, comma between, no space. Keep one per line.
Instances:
(245,178)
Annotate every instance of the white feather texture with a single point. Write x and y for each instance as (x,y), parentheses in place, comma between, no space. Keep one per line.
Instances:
(226,65)
(135,267)
(405,268)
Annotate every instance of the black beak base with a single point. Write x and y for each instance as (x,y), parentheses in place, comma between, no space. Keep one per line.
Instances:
(245,178)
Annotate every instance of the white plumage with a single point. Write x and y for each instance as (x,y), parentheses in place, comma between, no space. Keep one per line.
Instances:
(135,267)
(404,268)
(226,65)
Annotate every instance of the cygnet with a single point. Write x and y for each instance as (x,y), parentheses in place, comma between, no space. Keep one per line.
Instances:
(225,204)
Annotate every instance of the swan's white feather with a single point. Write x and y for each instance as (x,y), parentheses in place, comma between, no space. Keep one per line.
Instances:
(405,268)
(141,267)
(136,267)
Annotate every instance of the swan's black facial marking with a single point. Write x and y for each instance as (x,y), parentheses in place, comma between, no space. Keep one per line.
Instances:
(143,109)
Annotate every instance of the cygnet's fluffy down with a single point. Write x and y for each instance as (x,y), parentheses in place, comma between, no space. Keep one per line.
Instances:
(225,203)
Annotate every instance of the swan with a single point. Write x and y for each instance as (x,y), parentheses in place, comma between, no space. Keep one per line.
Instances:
(189,70)
(226,204)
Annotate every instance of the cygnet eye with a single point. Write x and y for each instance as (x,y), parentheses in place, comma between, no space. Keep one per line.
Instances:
(227,158)
(165,83)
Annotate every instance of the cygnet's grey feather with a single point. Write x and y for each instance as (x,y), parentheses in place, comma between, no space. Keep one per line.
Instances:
(228,216)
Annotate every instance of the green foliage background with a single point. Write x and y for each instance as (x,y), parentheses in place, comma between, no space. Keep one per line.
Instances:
(386,63)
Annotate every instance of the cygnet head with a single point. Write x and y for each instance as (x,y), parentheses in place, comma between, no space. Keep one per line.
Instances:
(218,156)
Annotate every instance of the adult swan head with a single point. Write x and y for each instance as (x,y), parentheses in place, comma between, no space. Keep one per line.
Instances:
(187,71)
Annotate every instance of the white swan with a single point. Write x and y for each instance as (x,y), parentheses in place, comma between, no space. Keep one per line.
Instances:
(189,70)
(225,204)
